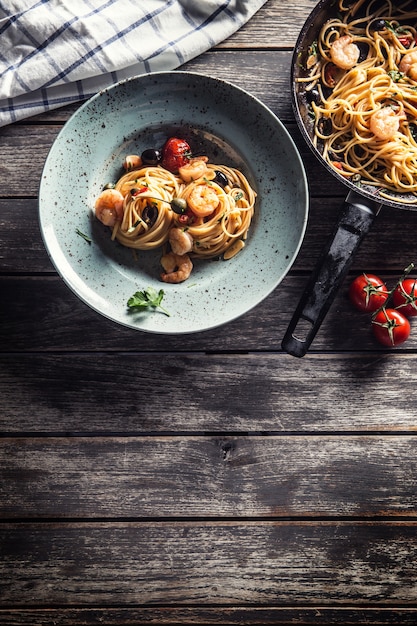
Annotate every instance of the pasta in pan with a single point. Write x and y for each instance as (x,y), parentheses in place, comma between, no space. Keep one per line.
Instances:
(361,82)
(200,210)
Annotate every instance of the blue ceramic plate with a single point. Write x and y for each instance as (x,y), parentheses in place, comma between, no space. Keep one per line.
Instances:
(220,120)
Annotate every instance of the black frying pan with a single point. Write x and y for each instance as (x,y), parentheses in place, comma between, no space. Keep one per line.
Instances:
(355,220)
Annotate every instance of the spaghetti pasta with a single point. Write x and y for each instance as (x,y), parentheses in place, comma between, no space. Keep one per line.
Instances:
(215,210)
(361,83)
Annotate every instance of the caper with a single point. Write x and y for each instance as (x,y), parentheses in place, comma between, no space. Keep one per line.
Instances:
(179,205)
(151,156)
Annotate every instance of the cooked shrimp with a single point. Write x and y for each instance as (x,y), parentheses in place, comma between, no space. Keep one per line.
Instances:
(195,168)
(177,267)
(180,240)
(132,162)
(203,200)
(408,64)
(109,207)
(384,123)
(344,53)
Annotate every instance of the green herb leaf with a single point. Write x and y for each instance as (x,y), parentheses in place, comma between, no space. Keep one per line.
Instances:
(142,300)
(395,75)
(87,239)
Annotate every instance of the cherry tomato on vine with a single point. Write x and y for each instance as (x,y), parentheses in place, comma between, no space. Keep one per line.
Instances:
(368,292)
(390,327)
(404,297)
(175,153)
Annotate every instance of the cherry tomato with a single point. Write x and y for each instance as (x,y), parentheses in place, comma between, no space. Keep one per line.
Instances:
(406,40)
(330,74)
(368,292)
(390,327)
(175,153)
(405,297)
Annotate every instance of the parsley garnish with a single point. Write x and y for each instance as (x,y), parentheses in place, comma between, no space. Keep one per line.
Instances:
(313,48)
(142,300)
(87,239)
(395,75)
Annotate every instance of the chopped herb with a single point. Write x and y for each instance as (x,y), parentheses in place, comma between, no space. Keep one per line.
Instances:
(397,30)
(403,31)
(85,237)
(395,75)
(142,300)
(135,225)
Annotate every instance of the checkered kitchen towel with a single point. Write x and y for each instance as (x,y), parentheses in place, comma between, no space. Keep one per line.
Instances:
(54,52)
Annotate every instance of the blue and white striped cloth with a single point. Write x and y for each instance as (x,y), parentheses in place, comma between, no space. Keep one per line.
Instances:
(54,52)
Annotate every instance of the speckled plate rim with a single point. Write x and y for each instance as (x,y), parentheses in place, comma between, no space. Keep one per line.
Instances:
(88,152)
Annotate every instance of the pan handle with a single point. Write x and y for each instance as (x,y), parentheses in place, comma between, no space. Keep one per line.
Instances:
(356,219)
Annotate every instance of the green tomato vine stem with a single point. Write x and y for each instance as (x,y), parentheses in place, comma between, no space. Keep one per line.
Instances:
(404,275)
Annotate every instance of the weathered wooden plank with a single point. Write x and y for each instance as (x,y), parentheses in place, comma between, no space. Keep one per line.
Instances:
(208,476)
(140,432)
(206,615)
(264,563)
(139,393)
(59,321)
(272,25)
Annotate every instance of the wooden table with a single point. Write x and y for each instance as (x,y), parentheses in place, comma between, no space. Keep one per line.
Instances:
(209,478)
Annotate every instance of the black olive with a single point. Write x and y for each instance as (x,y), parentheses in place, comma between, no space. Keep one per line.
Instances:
(413,131)
(151,156)
(221,179)
(313,95)
(325,126)
(335,156)
(327,91)
(359,151)
(149,214)
(377,25)
(363,50)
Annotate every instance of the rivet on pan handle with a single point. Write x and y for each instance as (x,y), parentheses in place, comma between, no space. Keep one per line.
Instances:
(356,219)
